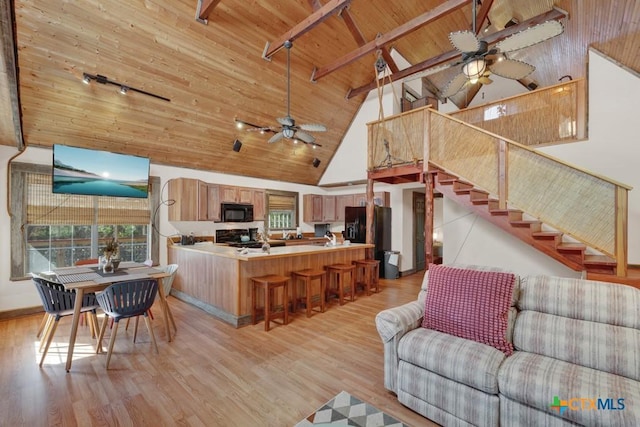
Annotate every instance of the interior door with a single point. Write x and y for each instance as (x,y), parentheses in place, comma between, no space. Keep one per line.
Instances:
(418,231)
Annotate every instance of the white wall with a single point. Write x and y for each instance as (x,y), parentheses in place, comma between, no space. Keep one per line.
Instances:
(613,150)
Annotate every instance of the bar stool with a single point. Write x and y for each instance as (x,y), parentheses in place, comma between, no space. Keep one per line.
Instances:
(368,274)
(308,276)
(339,272)
(268,284)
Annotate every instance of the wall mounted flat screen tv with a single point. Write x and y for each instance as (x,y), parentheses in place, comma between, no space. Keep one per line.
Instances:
(99,173)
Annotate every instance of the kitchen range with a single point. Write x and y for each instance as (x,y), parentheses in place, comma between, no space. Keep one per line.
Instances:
(242,238)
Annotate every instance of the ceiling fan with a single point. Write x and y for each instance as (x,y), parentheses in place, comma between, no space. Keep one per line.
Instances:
(288,128)
(478,60)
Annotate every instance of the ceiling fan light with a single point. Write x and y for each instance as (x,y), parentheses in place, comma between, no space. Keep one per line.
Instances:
(288,133)
(239,124)
(474,69)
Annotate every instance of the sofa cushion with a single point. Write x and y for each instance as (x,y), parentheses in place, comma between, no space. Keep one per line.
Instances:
(590,300)
(457,359)
(536,380)
(470,304)
(609,348)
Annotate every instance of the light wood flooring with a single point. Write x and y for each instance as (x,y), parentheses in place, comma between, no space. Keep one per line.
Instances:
(210,375)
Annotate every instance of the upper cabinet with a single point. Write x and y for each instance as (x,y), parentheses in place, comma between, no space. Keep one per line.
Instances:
(319,208)
(342,202)
(313,206)
(185,194)
(258,201)
(196,200)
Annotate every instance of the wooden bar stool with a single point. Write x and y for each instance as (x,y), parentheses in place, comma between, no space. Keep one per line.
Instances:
(268,284)
(368,274)
(339,272)
(308,276)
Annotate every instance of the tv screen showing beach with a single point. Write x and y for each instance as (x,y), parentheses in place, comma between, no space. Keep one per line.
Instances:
(99,173)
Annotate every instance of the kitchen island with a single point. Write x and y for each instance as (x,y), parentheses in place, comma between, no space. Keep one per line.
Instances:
(216,278)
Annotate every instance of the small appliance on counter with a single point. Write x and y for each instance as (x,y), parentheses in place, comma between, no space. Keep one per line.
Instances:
(321,230)
(187,240)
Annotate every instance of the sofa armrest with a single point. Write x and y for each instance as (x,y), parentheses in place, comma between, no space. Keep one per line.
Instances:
(392,324)
(397,321)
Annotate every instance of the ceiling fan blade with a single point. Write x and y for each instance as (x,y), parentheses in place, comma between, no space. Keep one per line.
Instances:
(464,41)
(530,36)
(304,137)
(455,85)
(277,137)
(286,121)
(511,69)
(313,127)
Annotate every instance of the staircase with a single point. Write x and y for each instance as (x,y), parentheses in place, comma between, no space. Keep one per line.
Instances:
(555,244)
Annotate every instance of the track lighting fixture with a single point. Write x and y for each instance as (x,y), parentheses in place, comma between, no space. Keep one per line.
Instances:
(237,145)
(316,162)
(87,78)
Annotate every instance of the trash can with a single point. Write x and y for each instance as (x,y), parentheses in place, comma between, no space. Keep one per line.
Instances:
(391,259)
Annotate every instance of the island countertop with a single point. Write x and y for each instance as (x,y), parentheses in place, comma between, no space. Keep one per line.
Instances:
(251,254)
(217,278)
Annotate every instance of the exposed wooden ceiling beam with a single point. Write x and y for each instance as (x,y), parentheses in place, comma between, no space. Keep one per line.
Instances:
(205,7)
(401,31)
(359,38)
(553,14)
(10,68)
(482,14)
(307,24)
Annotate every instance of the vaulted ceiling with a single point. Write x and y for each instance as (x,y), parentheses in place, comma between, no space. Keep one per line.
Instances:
(213,70)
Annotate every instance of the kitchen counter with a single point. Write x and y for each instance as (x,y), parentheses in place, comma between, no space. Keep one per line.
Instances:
(217,278)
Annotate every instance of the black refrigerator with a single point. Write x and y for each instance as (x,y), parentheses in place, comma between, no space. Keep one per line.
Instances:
(355,229)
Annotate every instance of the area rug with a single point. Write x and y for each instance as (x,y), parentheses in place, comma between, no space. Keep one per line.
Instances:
(347,410)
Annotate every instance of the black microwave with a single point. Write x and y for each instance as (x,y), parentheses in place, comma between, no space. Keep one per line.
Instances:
(235,212)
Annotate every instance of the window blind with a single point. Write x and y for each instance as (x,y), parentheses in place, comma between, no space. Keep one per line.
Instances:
(279,202)
(47,208)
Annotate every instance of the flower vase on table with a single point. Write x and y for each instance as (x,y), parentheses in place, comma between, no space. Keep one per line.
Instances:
(111,256)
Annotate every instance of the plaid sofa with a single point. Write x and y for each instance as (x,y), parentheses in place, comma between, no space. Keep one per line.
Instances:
(576,359)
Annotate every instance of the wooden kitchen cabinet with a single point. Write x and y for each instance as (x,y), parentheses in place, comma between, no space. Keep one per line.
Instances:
(229,194)
(342,202)
(328,208)
(313,208)
(380,198)
(185,192)
(245,195)
(209,202)
(258,201)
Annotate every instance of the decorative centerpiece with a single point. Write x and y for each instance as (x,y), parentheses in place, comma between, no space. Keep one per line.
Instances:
(111,256)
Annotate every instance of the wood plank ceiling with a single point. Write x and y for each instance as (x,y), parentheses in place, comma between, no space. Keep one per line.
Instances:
(214,73)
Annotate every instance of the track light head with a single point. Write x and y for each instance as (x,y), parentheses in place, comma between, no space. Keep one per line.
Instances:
(237,145)
(316,162)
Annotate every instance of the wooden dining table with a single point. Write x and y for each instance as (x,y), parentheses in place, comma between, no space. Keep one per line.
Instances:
(89,278)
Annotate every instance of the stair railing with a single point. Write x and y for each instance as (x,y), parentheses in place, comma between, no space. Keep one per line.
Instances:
(588,207)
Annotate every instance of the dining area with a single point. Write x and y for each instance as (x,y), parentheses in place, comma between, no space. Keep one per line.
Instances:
(86,290)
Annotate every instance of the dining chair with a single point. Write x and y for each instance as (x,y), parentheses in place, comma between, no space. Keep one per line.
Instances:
(124,300)
(167,284)
(58,303)
(46,315)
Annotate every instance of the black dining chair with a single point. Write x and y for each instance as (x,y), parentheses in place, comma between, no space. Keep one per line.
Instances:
(124,300)
(58,303)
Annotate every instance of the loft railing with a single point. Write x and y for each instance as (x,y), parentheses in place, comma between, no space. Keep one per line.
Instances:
(550,115)
(590,208)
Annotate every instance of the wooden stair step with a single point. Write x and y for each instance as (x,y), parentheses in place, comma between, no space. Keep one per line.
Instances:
(446,178)
(461,187)
(571,247)
(600,260)
(533,225)
(547,235)
(601,264)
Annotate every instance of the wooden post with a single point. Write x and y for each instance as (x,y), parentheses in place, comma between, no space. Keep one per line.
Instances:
(502,173)
(428,220)
(370,209)
(621,231)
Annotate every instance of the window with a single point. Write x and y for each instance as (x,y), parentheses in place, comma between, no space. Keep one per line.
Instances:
(56,230)
(282,210)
